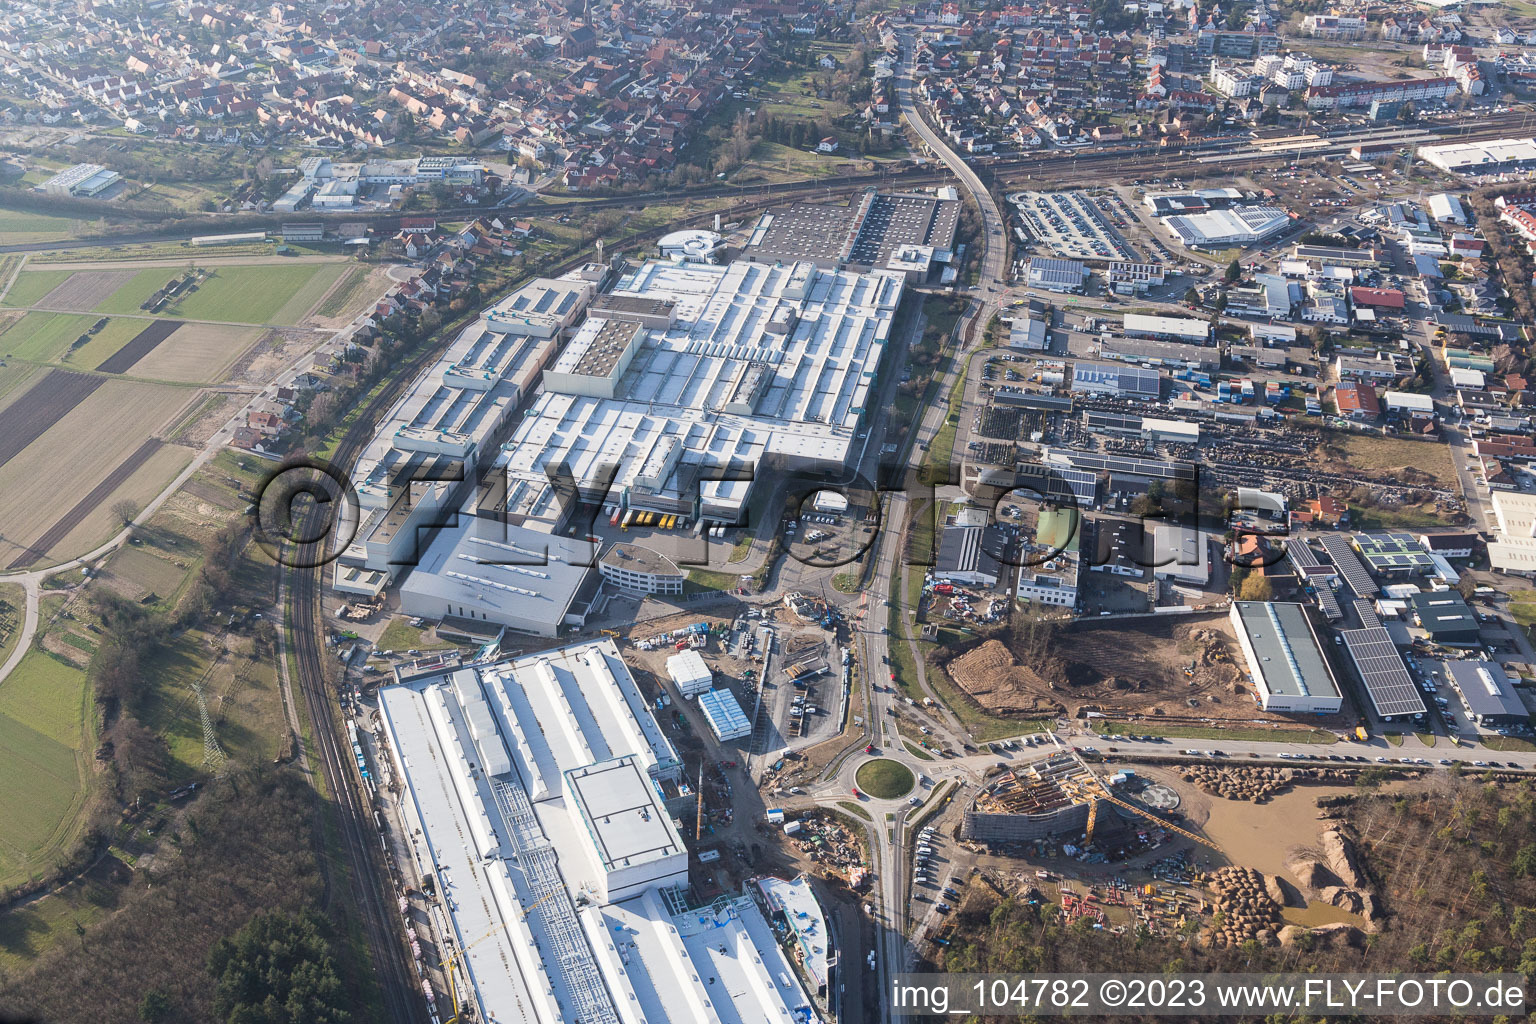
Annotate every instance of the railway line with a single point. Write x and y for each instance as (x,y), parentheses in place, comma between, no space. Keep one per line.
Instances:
(1089,165)
(368,874)
(367,883)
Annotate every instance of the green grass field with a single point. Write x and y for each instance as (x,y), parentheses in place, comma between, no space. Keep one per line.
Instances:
(400,635)
(13,375)
(46,338)
(20,226)
(12,607)
(130,296)
(262,294)
(43,738)
(32,285)
(103,344)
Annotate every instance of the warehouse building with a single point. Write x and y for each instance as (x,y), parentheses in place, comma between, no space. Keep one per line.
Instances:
(1444,615)
(1167,328)
(1057,275)
(1514,550)
(1286,663)
(538,796)
(420,467)
(688,382)
(1499,156)
(1487,693)
(1029,334)
(1162,353)
(83,181)
(1114,379)
(480,571)
(1181,554)
(1218,229)
(963,556)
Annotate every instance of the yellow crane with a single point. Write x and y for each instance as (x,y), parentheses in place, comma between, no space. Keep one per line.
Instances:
(457,955)
(453,988)
(1097,790)
(530,908)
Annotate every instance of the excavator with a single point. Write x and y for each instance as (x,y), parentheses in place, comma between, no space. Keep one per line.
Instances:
(1097,790)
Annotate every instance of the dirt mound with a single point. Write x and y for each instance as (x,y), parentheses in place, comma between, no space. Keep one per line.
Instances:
(991,677)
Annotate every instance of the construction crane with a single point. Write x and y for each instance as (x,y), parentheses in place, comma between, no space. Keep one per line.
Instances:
(530,908)
(453,988)
(1096,790)
(698,827)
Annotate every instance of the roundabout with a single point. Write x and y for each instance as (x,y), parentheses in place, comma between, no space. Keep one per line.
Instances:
(885,779)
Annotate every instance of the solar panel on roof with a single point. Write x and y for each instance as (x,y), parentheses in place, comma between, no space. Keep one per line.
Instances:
(1391,688)
(1329,604)
(1366,613)
(1355,574)
(1302,555)
(1132,467)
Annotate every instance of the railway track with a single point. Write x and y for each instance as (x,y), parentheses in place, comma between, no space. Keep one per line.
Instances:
(367,884)
(1077,166)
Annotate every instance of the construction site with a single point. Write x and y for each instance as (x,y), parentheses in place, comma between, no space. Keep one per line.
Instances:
(1187,668)
(1061,798)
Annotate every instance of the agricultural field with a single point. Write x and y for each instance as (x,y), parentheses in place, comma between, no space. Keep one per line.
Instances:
(347,289)
(121,389)
(13,380)
(258,294)
(104,423)
(44,739)
(47,337)
(85,289)
(12,608)
(32,285)
(196,353)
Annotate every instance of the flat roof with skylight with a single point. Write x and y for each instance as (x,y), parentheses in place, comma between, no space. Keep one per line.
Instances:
(759,363)
(1285,660)
(535,794)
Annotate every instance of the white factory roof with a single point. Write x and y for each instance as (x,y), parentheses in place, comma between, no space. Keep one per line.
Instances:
(818,334)
(1173,326)
(521,780)
(1515,549)
(803,914)
(492,570)
(1468,157)
(619,805)
(721,963)
(1410,400)
(1240,224)
(458,404)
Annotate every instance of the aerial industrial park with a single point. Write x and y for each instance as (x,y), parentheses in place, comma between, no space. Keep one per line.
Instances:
(681,514)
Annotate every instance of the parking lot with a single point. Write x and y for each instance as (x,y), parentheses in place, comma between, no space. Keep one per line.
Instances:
(801,693)
(1075,225)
